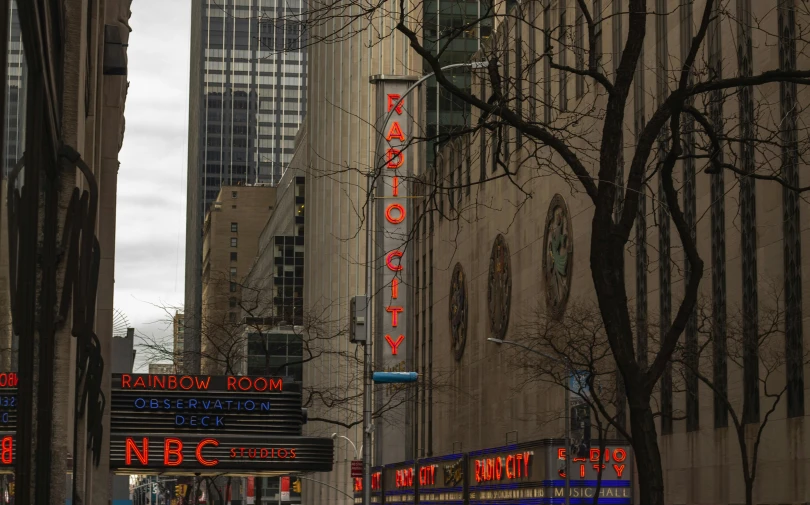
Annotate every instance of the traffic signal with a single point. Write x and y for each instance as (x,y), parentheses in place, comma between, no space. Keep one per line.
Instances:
(297,486)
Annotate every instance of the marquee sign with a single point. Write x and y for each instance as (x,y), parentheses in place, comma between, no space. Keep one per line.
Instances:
(211,424)
(399,483)
(376,487)
(8,421)
(393,263)
(441,480)
(536,470)
(220,454)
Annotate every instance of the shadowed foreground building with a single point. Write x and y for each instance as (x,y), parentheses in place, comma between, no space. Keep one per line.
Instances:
(74,79)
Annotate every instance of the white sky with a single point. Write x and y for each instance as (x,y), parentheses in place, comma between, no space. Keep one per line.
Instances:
(150,232)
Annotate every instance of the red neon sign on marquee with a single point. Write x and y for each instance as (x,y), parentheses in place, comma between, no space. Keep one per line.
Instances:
(619,456)
(376,482)
(173,452)
(513,466)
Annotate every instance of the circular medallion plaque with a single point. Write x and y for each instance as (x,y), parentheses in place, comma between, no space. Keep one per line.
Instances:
(458,311)
(557,257)
(499,289)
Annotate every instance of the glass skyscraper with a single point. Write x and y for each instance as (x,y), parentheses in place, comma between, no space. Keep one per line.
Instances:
(247,101)
(16,83)
(447,114)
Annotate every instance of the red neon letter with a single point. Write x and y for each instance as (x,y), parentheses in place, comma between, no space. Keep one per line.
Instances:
(392,100)
(8,448)
(394,289)
(395,158)
(143,457)
(389,262)
(203,461)
(276,384)
(394,311)
(395,132)
(168,450)
(394,345)
(126,381)
(395,220)
(395,185)
(231,383)
(619,469)
(619,455)
(510,462)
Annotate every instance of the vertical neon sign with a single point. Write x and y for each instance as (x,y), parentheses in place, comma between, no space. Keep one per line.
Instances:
(393,218)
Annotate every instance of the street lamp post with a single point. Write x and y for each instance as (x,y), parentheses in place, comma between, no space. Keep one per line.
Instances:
(344,437)
(567,410)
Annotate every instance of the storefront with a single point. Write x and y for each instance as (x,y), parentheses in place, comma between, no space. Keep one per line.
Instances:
(519,474)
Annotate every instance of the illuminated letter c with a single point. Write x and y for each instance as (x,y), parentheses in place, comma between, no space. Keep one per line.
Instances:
(389,261)
(203,461)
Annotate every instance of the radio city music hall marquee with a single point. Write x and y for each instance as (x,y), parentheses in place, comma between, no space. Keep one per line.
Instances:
(537,470)
(211,425)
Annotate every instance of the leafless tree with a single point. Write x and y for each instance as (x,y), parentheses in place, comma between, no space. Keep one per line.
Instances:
(553,102)
(699,363)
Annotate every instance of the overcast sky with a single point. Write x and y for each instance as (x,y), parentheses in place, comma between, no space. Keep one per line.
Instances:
(150,232)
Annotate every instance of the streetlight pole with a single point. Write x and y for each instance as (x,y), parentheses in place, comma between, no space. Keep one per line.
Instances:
(567,410)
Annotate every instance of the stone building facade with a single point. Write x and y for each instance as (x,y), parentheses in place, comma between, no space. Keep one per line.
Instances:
(230,243)
(64,183)
(493,256)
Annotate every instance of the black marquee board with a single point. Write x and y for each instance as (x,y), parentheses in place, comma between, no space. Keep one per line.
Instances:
(233,425)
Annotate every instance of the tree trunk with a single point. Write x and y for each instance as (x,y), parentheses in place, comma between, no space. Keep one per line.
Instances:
(647,455)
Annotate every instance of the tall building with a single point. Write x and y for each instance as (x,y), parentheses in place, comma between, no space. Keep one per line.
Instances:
(16,82)
(508,271)
(69,122)
(230,241)
(178,332)
(247,100)
(274,287)
(162,368)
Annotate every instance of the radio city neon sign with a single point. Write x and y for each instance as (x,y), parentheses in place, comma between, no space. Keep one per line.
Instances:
(376,482)
(394,214)
(619,457)
(513,466)
(403,478)
(427,475)
(173,452)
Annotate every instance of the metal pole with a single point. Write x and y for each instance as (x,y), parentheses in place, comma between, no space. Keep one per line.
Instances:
(567,446)
(367,350)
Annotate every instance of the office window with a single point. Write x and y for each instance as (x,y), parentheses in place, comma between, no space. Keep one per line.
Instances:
(233,287)
(232,317)
(233,273)
(233,256)
(233,194)
(233,241)
(234,227)
(232,302)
